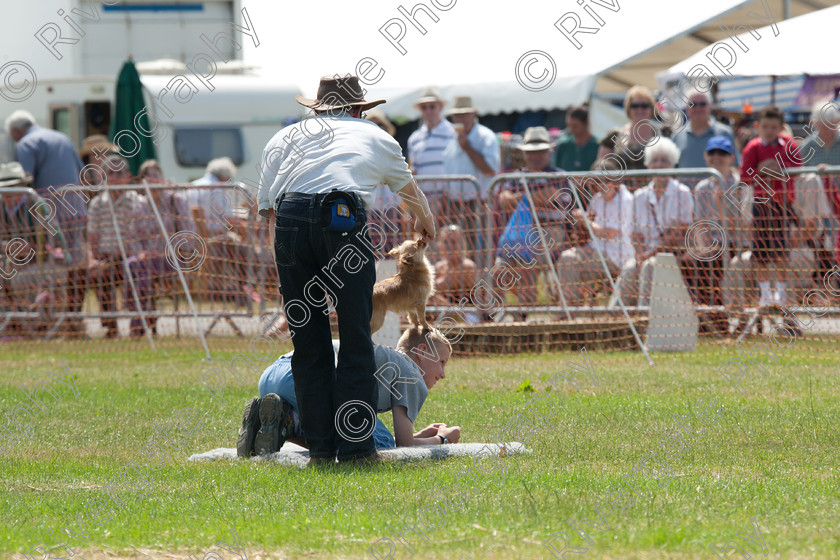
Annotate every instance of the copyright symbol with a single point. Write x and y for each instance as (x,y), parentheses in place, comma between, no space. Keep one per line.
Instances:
(20,88)
(535,71)
(697,249)
(186,262)
(358,430)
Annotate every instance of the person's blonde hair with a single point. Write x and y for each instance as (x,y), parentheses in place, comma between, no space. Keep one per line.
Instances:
(146,165)
(638,91)
(415,336)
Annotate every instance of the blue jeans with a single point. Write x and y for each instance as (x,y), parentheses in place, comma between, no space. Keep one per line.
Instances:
(277,379)
(313,263)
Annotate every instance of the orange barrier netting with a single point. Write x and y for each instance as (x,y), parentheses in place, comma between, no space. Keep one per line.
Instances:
(525,262)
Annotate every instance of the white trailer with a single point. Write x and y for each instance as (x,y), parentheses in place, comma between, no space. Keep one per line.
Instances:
(236,119)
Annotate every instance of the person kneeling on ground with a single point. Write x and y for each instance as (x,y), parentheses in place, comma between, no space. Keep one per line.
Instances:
(405,375)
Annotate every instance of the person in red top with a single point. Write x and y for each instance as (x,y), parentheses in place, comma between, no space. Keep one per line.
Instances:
(763,164)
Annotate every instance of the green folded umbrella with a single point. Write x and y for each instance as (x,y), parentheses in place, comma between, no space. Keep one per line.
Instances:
(129,102)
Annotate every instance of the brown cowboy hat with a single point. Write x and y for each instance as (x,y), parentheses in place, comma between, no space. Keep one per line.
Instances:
(97,141)
(337,93)
(12,174)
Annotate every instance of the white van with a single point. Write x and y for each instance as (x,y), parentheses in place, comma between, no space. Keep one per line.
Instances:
(236,119)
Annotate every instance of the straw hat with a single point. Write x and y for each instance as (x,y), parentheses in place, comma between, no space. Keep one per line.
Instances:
(536,138)
(429,95)
(97,141)
(12,174)
(462,104)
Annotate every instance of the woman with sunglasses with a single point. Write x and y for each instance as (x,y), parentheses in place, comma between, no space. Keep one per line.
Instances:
(642,129)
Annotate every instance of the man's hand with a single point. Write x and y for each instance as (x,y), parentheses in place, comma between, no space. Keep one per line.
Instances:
(425,226)
(452,434)
(463,141)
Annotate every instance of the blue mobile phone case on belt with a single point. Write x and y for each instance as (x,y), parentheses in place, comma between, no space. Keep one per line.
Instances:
(340,212)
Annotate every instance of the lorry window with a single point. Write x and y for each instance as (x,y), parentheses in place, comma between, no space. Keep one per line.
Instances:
(197,145)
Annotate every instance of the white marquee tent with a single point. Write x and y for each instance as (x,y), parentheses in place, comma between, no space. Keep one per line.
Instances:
(800,45)
(471,49)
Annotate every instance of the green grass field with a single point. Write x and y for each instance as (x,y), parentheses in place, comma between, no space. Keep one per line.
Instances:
(771,455)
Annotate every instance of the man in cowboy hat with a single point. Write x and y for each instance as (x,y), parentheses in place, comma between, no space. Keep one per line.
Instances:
(318,178)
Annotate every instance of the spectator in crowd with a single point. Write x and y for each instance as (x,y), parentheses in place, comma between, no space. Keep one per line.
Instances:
(94,150)
(695,134)
(50,157)
(213,207)
(662,212)
(744,132)
(455,273)
(772,201)
(712,205)
(426,146)
(825,117)
(607,144)
(32,265)
(577,150)
(808,257)
(537,149)
(473,151)
(111,209)
(640,130)
(175,216)
(520,242)
(611,211)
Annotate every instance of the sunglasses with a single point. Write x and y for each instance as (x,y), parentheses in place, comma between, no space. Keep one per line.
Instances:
(717,152)
(700,104)
(640,105)
(428,107)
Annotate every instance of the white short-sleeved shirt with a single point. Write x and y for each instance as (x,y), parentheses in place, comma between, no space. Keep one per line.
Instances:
(650,216)
(457,162)
(425,147)
(399,381)
(322,153)
(615,214)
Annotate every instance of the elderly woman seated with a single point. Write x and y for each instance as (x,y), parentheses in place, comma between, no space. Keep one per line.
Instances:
(662,212)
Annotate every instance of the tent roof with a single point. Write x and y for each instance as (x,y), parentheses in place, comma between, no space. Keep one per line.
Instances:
(469,49)
(776,55)
(643,69)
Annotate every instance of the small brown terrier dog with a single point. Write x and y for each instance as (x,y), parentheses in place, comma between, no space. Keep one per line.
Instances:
(408,290)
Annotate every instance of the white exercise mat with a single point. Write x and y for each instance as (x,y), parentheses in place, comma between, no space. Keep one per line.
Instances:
(295,455)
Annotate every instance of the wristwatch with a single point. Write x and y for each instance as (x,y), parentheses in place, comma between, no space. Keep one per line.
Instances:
(442,439)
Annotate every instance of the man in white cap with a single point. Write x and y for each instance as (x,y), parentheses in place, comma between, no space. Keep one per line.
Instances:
(318,178)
